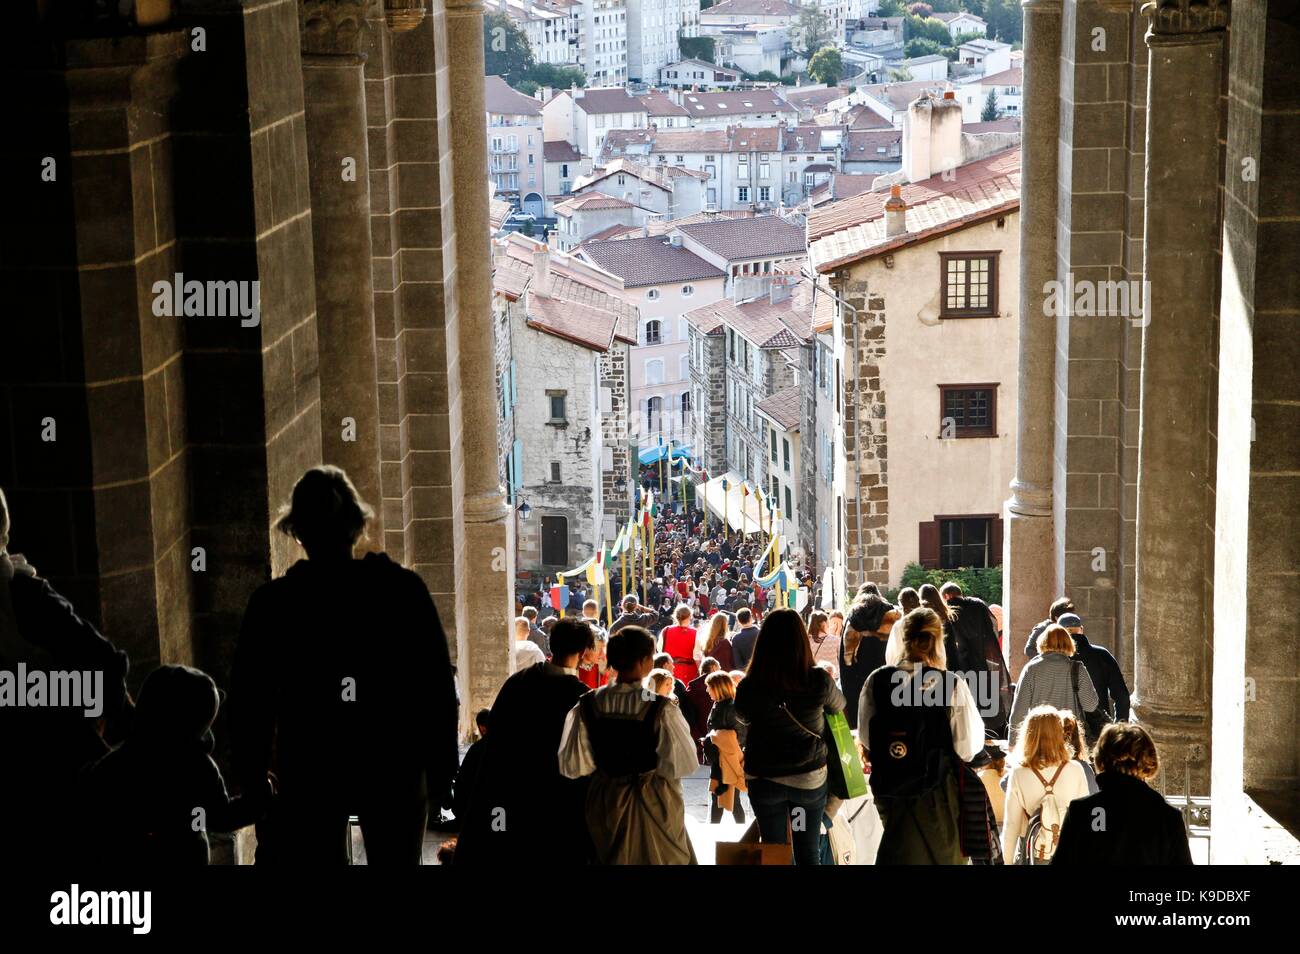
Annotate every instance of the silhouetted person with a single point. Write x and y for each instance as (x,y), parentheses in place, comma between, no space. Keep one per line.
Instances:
(344,689)
(522,809)
(467,774)
(153,800)
(43,748)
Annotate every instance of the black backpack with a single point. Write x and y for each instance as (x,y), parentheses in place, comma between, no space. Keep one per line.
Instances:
(910,739)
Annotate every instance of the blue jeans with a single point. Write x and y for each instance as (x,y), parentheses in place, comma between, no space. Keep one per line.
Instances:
(781,809)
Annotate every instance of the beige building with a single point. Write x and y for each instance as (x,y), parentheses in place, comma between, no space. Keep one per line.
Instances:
(930,364)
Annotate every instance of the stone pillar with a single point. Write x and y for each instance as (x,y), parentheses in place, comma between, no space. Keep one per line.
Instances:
(482,528)
(1029,554)
(334,96)
(1173,632)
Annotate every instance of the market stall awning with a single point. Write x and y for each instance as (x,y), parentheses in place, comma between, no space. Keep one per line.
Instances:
(653,455)
(742,512)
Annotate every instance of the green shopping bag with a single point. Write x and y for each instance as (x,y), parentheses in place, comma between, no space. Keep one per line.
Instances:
(847,780)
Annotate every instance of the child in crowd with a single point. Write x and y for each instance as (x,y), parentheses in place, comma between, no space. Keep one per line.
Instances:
(723,747)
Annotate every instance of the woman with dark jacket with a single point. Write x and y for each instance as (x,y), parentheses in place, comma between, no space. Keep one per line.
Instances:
(782,701)
(343,688)
(1141,827)
(862,648)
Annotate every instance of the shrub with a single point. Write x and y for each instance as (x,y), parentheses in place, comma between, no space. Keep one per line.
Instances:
(984,582)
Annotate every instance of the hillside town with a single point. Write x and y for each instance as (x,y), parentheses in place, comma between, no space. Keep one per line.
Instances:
(724,250)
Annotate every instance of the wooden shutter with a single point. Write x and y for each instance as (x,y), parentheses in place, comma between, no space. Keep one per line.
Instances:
(929,546)
(995,540)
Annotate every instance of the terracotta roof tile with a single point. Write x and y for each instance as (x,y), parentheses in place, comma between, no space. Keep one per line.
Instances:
(560,150)
(649,261)
(499,97)
(740,239)
(783,407)
(582,324)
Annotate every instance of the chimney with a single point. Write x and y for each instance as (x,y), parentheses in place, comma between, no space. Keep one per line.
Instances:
(499,254)
(931,136)
(675,239)
(895,212)
(542,271)
(779,289)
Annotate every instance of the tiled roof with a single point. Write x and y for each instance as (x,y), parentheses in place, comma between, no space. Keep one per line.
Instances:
(590,200)
(818,167)
(949,17)
(785,324)
(754,138)
(735,103)
(689,140)
(608,99)
(499,97)
(783,407)
(498,211)
(843,185)
(614,232)
(900,95)
(645,173)
(570,282)
(649,261)
(658,103)
(864,117)
(739,239)
(560,150)
(805,138)
(766,8)
(1012,77)
(846,231)
(582,324)
(812,98)
(864,144)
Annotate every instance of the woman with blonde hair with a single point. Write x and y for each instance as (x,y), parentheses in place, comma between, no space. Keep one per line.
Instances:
(1045,770)
(718,644)
(915,722)
(1053,678)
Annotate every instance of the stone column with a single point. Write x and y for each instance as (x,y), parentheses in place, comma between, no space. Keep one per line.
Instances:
(483,530)
(335,103)
(1029,549)
(1173,630)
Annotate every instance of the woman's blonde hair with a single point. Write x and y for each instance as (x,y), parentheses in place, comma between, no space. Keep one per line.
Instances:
(923,638)
(1042,739)
(661,679)
(682,612)
(720,685)
(1055,639)
(717,632)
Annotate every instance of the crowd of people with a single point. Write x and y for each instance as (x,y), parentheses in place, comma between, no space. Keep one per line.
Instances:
(343,706)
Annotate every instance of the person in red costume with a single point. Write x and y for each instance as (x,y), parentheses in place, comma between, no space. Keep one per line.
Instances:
(680,641)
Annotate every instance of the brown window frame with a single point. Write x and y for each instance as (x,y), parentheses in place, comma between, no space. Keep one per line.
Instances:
(991,311)
(963,432)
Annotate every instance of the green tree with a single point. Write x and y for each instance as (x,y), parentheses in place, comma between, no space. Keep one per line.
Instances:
(1005,20)
(826,66)
(982,582)
(697,48)
(891,8)
(767,76)
(916,28)
(814,30)
(506,52)
(990,112)
(921,46)
(900,75)
(556,77)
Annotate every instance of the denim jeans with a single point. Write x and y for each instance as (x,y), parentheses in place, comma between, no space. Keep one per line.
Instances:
(781,809)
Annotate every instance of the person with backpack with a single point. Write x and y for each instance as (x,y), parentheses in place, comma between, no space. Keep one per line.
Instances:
(1041,786)
(916,722)
(783,701)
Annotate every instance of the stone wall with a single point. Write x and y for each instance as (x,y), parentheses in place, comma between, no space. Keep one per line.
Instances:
(865,445)
(613,375)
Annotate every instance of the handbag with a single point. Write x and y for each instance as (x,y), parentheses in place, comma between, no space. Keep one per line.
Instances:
(844,775)
(1094,721)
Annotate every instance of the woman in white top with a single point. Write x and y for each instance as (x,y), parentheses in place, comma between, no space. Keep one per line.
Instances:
(1040,755)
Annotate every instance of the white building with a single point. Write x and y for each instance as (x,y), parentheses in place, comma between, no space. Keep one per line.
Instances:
(547,25)
(664,281)
(962,23)
(515,145)
(583,117)
(603,42)
(987,56)
(688,73)
(1007,88)
(754,48)
(932,67)
(653,27)
(663,190)
(563,166)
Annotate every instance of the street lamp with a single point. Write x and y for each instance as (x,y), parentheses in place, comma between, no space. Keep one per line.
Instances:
(524,510)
